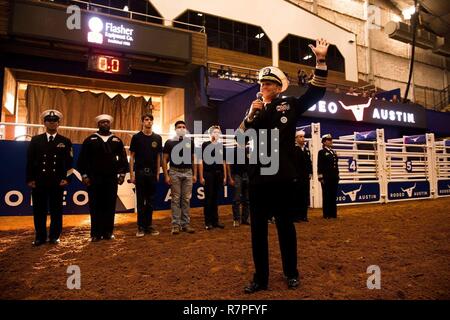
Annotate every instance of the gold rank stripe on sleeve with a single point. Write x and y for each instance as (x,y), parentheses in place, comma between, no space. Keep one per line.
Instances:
(319,81)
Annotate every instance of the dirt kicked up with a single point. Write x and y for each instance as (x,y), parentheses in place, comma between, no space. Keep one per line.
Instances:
(409,241)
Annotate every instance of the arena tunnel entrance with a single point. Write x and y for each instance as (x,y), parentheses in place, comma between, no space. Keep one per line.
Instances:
(80,99)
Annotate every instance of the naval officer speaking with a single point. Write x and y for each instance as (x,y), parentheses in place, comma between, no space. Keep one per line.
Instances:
(273,195)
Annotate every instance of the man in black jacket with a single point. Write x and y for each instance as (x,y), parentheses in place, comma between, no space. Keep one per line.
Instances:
(272,184)
(328,174)
(102,164)
(303,158)
(49,160)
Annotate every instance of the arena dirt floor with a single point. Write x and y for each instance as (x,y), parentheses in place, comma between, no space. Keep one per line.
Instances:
(409,241)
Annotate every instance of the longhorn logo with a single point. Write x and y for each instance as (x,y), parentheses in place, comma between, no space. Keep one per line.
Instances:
(409,191)
(365,135)
(414,139)
(357,109)
(352,194)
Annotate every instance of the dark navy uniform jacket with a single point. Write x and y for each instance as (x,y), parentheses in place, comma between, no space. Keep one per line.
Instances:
(49,162)
(282,114)
(327,165)
(303,162)
(99,159)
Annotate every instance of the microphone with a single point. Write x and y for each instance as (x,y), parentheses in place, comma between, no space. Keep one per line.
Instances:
(259,96)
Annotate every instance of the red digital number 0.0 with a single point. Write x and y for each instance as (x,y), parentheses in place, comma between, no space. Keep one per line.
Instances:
(115,65)
(102,64)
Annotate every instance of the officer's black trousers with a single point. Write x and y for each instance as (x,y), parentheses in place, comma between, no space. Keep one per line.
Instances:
(145,196)
(266,200)
(102,205)
(47,199)
(213,181)
(329,192)
(302,196)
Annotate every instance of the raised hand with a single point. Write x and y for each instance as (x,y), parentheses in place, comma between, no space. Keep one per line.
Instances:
(321,48)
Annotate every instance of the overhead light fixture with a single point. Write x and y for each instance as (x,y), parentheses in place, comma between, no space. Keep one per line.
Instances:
(307,57)
(408,12)
(200,14)
(259,35)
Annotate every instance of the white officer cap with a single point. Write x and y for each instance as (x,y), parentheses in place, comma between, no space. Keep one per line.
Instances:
(104,117)
(326,137)
(300,133)
(274,74)
(51,114)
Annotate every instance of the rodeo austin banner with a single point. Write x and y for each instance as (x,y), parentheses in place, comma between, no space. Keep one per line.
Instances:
(15,195)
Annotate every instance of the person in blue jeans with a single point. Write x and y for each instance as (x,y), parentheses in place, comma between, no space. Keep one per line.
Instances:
(238,178)
(180,177)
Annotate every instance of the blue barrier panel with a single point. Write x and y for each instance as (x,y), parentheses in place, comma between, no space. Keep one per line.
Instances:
(444,187)
(408,190)
(15,195)
(358,192)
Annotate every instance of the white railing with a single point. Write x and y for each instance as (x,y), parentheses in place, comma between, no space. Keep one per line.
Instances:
(227,140)
(365,160)
(393,167)
(397,170)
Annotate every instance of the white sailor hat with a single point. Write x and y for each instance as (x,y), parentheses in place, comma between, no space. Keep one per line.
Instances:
(300,133)
(104,117)
(326,137)
(274,74)
(51,114)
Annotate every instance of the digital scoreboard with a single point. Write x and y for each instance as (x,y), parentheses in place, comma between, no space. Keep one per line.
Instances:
(108,64)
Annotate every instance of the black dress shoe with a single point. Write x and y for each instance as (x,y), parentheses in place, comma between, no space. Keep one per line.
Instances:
(293,283)
(254,287)
(219,225)
(38,243)
(209,227)
(55,241)
(109,237)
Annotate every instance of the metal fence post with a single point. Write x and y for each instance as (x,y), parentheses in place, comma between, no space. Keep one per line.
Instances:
(316,189)
(431,164)
(381,164)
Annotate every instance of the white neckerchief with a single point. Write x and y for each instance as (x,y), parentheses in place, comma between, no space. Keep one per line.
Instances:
(50,135)
(104,138)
